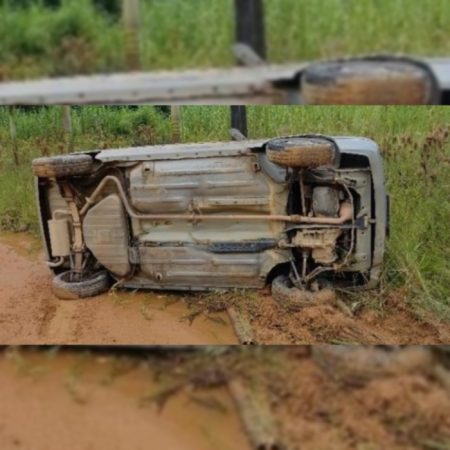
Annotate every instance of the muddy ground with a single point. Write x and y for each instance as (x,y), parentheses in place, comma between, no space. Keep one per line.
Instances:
(30,314)
(405,410)
(79,400)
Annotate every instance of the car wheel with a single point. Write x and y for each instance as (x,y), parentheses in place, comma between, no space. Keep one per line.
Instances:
(293,299)
(370,81)
(62,166)
(302,152)
(93,285)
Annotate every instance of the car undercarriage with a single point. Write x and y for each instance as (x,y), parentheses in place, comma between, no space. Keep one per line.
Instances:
(306,213)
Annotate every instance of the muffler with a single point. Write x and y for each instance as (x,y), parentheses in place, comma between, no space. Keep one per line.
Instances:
(59,232)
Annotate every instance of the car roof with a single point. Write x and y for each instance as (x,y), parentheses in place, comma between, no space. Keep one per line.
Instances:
(215,149)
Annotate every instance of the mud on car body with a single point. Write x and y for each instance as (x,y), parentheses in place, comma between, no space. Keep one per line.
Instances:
(305,213)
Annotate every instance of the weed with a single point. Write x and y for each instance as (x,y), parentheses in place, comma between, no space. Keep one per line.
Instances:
(185,34)
(26,365)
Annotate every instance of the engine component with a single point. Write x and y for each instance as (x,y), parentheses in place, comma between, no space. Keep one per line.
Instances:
(321,242)
(59,237)
(325,201)
(105,230)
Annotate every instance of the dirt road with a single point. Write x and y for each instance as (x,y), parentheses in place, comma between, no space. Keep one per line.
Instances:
(30,314)
(72,403)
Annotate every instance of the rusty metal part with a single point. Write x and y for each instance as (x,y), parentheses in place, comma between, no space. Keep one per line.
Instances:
(106,235)
(321,242)
(349,213)
(241,326)
(302,193)
(55,264)
(59,233)
(255,415)
(376,80)
(78,241)
(325,201)
(346,211)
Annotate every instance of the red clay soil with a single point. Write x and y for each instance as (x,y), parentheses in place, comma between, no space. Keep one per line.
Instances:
(53,400)
(395,324)
(403,411)
(31,314)
(69,402)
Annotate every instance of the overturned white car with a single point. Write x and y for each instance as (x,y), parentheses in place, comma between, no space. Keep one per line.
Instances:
(305,213)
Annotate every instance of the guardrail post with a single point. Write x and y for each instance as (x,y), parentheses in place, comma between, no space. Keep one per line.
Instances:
(175,118)
(239,119)
(67,127)
(250,28)
(13,134)
(130,18)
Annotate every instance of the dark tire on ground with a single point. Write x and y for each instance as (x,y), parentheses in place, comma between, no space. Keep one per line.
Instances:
(302,152)
(293,299)
(91,286)
(62,166)
(371,81)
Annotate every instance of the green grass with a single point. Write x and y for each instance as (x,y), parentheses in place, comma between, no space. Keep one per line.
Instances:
(77,37)
(414,141)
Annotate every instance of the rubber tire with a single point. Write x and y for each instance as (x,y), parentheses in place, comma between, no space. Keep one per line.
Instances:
(293,299)
(370,81)
(305,153)
(95,284)
(62,166)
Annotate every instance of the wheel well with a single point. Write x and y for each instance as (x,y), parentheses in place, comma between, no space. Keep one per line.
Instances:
(280,269)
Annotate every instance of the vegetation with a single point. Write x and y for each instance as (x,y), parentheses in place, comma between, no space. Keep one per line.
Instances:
(38,37)
(414,140)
